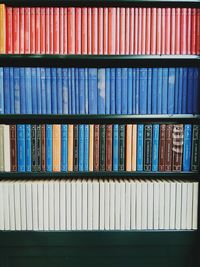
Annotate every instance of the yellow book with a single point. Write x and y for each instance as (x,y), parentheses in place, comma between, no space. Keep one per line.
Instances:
(91,148)
(2,29)
(134,147)
(56,147)
(70,147)
(128,146)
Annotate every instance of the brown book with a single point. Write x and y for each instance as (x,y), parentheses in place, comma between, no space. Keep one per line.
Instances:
(168,148)
(177,147)
(96,147)
(43,148)
(13,148)
(56,147)
(109,147)
(162,148)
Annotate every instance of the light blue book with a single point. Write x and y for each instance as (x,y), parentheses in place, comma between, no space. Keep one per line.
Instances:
(34,90)
(112,90)
(6,89)
(134,90)
(187,147)
(149,89)
(155,149)
(12,95)
(70,90)
(92,92)
(154,90)
(86,90)
(81,91)
(28,90)
(48,90)
(64,147)
(59,91)
(115,147)
(39,95)
(159,99)
(143,91)
(49,148)
(140,145)
(77,90)
(16,90)
(1,92)
(65,90)
(21,147)
(86,148)
(118,91)
(73,91)
(171,91)
(107,90)
(54,101)
(101,91)
(81,152)
(28,147)
(130,91)
(124,90)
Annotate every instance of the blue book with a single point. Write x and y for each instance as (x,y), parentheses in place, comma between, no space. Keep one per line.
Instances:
(101,90)
(107,90)
(43,90)
(1,92)
(48,90)
(86,90)
(64,147)
(165,91)
(137,90)
(59,90)
(190,91)
(28,90)
(154,90)
(115,147)
(49,154)
(171,91)
(16,90)
(28,147)
(39,95)
(73,93)
(155,148)
(70,90)
(187,147)
(81,91)
(196,108)
(86,148)
(180,87)
(184,90)
(124,90)
(133,90)
(140,137)
(112,90)
(130,91)
(54,102)
(92,89)
(77,90)
(149,89)
(143,91)
(118,91)
(81,152)
(176,91)
(6,85)
(12,94)
(34,90)
(65,90)
(159,108)
(21,147)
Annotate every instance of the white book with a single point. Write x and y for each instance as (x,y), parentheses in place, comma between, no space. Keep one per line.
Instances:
(11,205)
(1,206)
(189,206)
(6,205)
(161,204)
(73,210)
(51,196)
(155,204)
(46,206)
(7,148)
(90,195)
(101,205)
(17,205)
(112,205)
(56,205)
(195,206)
(117,205)
(95,211)
(127,205)
(68,205)
(23,205)
(184,206)
(79,204)
(167,204)
(172,205)
(29,211)
(41,205)
(133,205)
(62,210)
(178,206)
(84,205)
(35,204)
(2,148)
(150,205)
(122,204)
(107,205)
(138,205)
(144,204)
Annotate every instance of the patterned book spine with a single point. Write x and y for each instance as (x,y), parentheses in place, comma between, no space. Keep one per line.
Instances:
(102,148)
(147,147)
(76,147)
(108,147)
(195,148)
(177,147)
(96,147)
(162,147)
(121,147)
(168,148)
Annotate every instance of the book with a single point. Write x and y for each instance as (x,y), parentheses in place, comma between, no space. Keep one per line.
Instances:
(109,149)
(76,147)
(49,148)
(13,148)
(155,147)
(168,147)
(96,147)
(21,147)
(28,147)
(147,147)
(187,147)
(102,148)
(177,147)
(140,140)
(195,148)
(64,147)
(162,147)
(128,146)
(56,147)
(121,164)
(115,147)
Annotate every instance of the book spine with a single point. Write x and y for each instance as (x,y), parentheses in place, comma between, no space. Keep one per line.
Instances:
(64,147)
(147,147)
(51,33)
(33,148)
(159,91)
(198,32)
(43,147)
(47,30)
(37,30)
(34,90)
(84,30)
(92,87)
(77,91)
(154,90)
(21,147)
(115,147)
(1,91)
(129,128)
(196,96)
(140,145)
(6,85)
(94,34)
(122,31)
(71,30)
(127,30)
(194,34)
(111,30)
(159,31)
(177,30)
(190,91)
(86,148)
(59,90)
(121,164)
(107,100)
(187,147)
(143,45)
(48,90)
(65,33)
(137,90)
(184,91)
(42,31)
(56,30)
(81,148)
(130,91)
(102,148)
(173,31)
(38,148)
(148,31)
(75,142)
(118,91)
(15,28)
(183,22)
(16,90)
(163,38)
(54,91)
(78,30)
(28,90)
(134,148)
(112,90)
(89,31)
(153,31)
(101,90)
(177,147)
(27,26)
(162,148)
(2,147)
(118,31)
(13,148)
(38,93)
(11,87)
(81,94)
(124,90)
(131,37)
(96,148)
(171,91)
(168,148)
(168,30)
(28,147)
(139,48)
(65,91)
(56,147)
(176,91)
(3,28)
(189,31)
(143,91)
(109,147)
(61,30)
(9,30)
(49,148)
(180,87)
(195,148)
(149,89)
(155,147)
(91,148)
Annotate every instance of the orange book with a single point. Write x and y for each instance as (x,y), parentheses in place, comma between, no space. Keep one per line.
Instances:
(153,31)
(131,38)
(47,32)
(84,30)
(70,146)
(100,30)
(136,31)
(9,32)
(134,148)
(61,30)
(56,30)
(168,30)
(148,31)
(173,31)
(159,28)
(37,30)
(122,31)
(189,30)
(2,29)
(139,31)
(105,30)
(111,30)
(177,31)
(127,31)
(15,30)
(42,31)
(51,30)
(78,30)
(56,147)
(128,146)
(143,45)
(194,32)
(163,32)
(71,30)
(65,51)
(94,34)
(183,49)
(32,31)
(91,148)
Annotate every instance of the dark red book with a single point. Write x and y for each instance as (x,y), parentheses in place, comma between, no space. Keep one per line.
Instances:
(168,148)
(177,147)
(109,147)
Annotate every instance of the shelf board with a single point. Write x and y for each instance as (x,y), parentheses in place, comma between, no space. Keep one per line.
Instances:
(99,60)
(95,119)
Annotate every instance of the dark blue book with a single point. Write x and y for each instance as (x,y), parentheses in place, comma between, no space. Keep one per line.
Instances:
(70,90)
(137,91)
(28,90)
(54,102)
(1,92)
(81,152)
(196,108)
(155,91)
(112,90)
(59,90)
(49,148)
(28,147)
(34,90)
(101,90)
(159,99)
(48,90)
(115,147)
(187,147)
(107,90)
(77,90)
(140,145)
(16,90)
(86,148)
(176,90)
(143,91)
(130,91)
(164,91)
(21,147)
(92,90)
(81,90)
(86,90)
(155,149)
(171,91)
(39,95)
(64,147)
(12,94)
(190,91)
(65,90)
(133,88)
(118,91)
(184,90)
(149,89)
(180,88)
(43,90)
(124,90)
(73,91)
(6,88)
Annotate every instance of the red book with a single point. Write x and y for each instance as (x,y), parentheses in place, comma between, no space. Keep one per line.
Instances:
(111,30)
(94,31)
(148,31)
(89,32)
(189,30)
(193,38)
(27,30)
(71,30)
(21,31)
(37,30)
(183,49)
(131,48)
(198,32)
(136,31)
(78,30)
(159,31)
(32,31)
(139,31)
(56,30)
(51,30)
(173,31)
(122,31)
(153,31)
(100,30)
(143,47)
(47,33)
(84,31)
(65,32)
(163,31)
(15,27)
(177,31)
(117,30)
(167,30)
(9,30)
(127,30)
(105,30)
(61,30)
(42,31)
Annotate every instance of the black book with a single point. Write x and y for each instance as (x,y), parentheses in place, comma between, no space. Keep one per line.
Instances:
(195,148)
(147,147)
(121,147)
(102,147)
(75,161)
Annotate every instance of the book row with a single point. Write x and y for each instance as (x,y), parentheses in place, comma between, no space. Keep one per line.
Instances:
(99,90)
(131,147)
(99,30)
(98,205)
